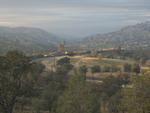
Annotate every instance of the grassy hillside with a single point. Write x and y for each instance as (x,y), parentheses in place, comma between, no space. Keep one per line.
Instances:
(135,36)
(26,39)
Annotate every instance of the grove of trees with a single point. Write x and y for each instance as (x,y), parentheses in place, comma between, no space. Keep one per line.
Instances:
(25,87)
(17,79)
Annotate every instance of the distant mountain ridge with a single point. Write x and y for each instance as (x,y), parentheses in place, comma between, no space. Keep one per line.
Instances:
(26,39)
(33,40)
(128,37)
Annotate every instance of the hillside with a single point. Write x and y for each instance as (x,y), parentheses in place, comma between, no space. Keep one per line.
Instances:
(129,37)
(26,39)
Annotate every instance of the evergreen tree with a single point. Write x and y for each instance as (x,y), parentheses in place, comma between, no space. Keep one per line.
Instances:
(16,79)
(78,97)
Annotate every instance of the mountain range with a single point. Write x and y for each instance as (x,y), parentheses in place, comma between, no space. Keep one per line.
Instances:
(34,40)
(129,37)
(28,40)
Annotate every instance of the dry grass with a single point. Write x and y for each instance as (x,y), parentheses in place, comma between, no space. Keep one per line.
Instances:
(90,61)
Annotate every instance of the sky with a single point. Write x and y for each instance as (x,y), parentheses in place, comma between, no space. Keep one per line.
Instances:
(74,18)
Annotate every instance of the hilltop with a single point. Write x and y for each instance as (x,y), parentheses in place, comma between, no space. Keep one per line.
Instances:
(128,37)
(26,39)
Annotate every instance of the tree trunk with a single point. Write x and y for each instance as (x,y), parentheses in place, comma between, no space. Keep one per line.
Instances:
(8,109)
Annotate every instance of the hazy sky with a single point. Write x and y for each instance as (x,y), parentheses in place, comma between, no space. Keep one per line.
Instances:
(76,18)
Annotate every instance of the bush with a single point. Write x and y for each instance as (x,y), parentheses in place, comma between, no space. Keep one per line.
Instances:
(136,68)
(127,67)
(63,61)
(106,68)
(115,69)
(111,68)
(83,69)
(95,69)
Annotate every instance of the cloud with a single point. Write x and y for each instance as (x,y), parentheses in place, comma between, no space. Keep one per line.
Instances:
(74,17)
